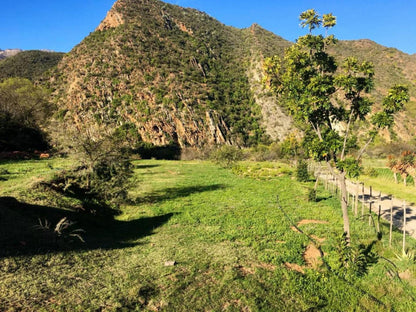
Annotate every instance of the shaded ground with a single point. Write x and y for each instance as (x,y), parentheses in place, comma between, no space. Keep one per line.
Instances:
(32,229)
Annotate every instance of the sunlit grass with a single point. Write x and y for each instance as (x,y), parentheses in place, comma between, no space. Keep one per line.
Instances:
(230,241)
(384,181)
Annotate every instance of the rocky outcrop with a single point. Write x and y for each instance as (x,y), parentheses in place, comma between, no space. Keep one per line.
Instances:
(113,19)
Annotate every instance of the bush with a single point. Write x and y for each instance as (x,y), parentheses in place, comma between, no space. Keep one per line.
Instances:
(149,151)
(227,155)
(312,195)
(302,174)
(193,153)
(371,172)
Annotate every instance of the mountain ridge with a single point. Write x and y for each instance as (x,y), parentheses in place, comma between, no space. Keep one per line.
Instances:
(8,53)
(177,75)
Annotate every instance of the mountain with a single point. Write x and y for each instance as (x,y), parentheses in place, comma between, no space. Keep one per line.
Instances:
(392,66)
(176,75)
(8,52)
(29,64)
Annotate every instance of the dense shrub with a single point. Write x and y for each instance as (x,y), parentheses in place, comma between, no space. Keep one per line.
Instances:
(227,155)
(371,172)
(302,173)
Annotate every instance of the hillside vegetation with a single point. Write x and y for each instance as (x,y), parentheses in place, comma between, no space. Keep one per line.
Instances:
(29,64)
(177,76)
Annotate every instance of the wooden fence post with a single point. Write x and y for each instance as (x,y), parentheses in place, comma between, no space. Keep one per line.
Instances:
(404,227)
(379,213)
(356,198)
(391,220)
(370,201)
(363,201)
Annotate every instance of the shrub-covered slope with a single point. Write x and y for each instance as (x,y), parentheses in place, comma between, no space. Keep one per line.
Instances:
(175,75)
(29,64)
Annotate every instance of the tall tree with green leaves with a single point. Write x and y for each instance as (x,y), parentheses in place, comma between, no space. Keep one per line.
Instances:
(329,100)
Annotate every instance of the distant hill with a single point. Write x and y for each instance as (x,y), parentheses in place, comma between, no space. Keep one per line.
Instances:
(29,64)
(177,75)
(8,52)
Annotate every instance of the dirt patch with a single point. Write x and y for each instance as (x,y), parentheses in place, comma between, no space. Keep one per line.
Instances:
(318,239)
(408,276)
(250,270)
(246,270)
(405,275)
(294,267)
(312,256)
(266,266)
(303,222)
(294,229)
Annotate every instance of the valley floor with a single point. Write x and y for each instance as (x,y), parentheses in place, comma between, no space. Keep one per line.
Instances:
(196,237)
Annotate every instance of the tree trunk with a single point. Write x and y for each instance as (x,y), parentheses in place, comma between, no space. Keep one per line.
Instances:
(344,194)
(344,205)
(395,177)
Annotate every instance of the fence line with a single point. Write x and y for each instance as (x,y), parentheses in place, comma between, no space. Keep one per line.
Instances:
(374,203)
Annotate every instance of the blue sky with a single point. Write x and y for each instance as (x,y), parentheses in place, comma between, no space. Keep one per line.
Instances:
(60,24)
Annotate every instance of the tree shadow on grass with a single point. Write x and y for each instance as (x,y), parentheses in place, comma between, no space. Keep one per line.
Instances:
(27,229)
(176,192)
(145,166)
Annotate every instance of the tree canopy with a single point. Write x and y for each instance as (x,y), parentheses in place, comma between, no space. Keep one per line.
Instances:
(327,99)
(24,109)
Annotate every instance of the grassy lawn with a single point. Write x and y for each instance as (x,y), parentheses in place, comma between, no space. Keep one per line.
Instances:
(233,248)
(384,181)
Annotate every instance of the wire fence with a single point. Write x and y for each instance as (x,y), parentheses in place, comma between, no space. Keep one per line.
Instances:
(365,202)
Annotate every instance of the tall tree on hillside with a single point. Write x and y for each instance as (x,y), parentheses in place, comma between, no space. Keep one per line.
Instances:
(327,100)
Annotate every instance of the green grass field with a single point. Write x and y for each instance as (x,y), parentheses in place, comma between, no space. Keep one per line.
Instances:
(384,181)
(233,248)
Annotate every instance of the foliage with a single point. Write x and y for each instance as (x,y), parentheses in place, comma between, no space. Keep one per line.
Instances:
(312,195)
(103,167)
(350,166)
(62,230)
(321,96)
(227,155)
(302,174)
(405,165)
(24,110)
(263,170)
(371,172)
(354,261)
(29,64)
(149,151)
(171,64)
